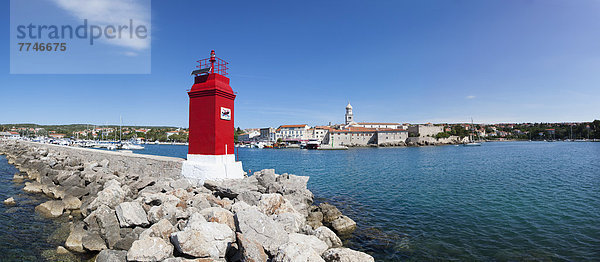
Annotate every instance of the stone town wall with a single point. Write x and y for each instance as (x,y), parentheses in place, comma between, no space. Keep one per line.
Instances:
(392,137)
(425,130)
(431,141)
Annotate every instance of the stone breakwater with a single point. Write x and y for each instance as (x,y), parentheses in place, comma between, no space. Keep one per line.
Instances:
(128,207)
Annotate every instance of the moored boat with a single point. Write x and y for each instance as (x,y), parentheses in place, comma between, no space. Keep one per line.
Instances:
(312,145)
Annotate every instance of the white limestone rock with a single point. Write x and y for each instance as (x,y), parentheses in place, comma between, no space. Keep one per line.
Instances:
(309,241)
(250,197)
(33,187)
(314,219)
(74,180)
(165,211)
(273,204)
(149,249)
(90,166)
(104,163)
(250,250)
(258,226)
(294,252)
(343,225)
(73,241)
(52,209)
(162,229)
(54,192)
(195,220)
(93,242)
(343,254)
(183,183)
(62,250)
(111,195)
(108,223)
(330,212)
(204,240)
(131,214)
(219,215)
(231,188)
(108,255)
(328,236)
(9,201)
(292,222)
(198,201)
(71,202)
(157,199)
(240,206)
(293,188)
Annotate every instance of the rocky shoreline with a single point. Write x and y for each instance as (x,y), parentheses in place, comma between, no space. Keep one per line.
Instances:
(119,213)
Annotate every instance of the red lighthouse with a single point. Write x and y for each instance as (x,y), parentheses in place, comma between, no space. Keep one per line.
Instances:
(211,149)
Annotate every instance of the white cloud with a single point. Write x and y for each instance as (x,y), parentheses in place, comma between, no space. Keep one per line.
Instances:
(113,12)
(129,53)
(470,97)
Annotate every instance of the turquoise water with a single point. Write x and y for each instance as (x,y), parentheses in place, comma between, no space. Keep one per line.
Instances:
(25,235)
(502,201)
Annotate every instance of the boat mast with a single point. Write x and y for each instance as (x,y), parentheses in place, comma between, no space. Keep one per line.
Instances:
(471,133)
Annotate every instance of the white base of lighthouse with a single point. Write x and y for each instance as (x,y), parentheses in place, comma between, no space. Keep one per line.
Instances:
(212,167)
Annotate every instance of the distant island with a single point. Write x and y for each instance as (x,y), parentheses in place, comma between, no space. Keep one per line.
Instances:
(96,132)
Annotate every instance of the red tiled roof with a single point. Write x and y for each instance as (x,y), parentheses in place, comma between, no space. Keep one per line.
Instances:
(284,126)
(355,129)
(366,123)
(392,129)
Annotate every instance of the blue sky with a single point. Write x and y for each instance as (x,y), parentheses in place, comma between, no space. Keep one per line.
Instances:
(302,61)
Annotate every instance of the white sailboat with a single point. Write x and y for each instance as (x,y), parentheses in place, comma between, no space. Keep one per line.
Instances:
(471,141)
(131,146)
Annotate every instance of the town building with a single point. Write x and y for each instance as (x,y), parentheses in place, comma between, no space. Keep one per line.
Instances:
(391,137)
(170,133)
(268,134)
(250,135)
(293,133)
(379,125)
(56,135)
(10,135)
(427,130)
(361,136)
(318,133)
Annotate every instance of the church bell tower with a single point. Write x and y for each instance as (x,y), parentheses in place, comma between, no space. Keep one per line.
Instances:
(349,115)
